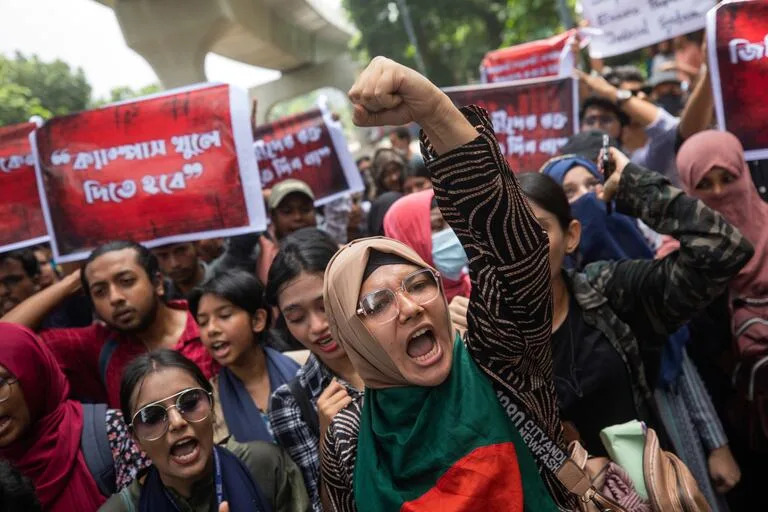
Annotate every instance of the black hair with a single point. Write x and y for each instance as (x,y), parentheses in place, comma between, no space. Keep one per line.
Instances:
(143,365)
(418,168)
(27,259)
(548,194)
(626,73)
(239,287)
(362,159)
(604,104)
(144,258)
(17,494)
(306,250)
(402,132)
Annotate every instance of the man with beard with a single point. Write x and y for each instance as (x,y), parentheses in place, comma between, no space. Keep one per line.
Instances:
(181,263)
(125,285)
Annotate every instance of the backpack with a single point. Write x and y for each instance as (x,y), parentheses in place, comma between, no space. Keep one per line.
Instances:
(749,409)
(105,356)
(96,450)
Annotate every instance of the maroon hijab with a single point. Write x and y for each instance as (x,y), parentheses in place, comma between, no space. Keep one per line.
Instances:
(49,452)
(740,204)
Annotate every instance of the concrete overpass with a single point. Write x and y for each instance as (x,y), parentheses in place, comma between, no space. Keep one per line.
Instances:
(303,39)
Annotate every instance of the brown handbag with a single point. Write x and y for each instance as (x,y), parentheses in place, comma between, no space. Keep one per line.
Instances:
(671,486)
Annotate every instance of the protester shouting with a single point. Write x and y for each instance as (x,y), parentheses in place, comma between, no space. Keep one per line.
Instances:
(233,318)
(431,403)
(327,380)
(123,281)
(170,405)
(608,349)
(416,221)
(47,436)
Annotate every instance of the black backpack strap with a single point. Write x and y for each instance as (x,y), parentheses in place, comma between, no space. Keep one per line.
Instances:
(104,357)
(308,413)
(96,449)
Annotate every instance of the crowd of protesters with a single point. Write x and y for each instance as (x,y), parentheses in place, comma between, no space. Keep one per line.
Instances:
(376,353)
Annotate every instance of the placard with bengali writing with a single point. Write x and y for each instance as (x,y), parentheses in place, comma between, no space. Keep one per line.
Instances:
(173,167)
(535,59)
(626,25)
(532,119)
(738,58)
(310,147)
(21,216)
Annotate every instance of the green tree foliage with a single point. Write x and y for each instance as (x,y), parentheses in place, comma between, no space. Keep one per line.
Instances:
(50,88)
(126,93)
(453,35)
(529,20)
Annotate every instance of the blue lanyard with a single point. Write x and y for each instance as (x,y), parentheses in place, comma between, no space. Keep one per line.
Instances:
(217,483)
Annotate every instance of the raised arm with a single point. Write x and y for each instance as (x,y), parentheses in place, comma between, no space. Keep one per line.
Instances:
(663,294)
(697,114)
(33,311)
(510,311)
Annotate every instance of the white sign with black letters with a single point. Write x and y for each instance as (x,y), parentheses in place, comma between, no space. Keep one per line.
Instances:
(621,26)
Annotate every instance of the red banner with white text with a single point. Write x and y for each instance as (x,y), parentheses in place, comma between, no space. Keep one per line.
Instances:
(738,59)
(309,147)
(173,167)
(21,216)
(535,59)
(532,119)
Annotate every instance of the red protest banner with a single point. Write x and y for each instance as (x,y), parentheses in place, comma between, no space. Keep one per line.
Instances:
(168,168)
(21,216)
(535,59)
(307,147)
(532,119)
(738,60)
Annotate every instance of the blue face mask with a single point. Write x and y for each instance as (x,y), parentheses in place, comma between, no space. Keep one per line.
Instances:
(448,254)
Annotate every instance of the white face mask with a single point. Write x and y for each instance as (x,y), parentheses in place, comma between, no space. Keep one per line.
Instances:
(448,254)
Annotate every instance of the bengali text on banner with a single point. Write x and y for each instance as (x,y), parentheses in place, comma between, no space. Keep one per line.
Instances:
(310,147)
(532,119)
(738,59)
(174,167)
(21,216)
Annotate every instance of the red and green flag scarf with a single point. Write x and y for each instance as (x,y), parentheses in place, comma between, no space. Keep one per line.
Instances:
(450,448)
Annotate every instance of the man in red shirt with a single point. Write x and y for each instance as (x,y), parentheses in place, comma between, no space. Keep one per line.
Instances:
(126,288)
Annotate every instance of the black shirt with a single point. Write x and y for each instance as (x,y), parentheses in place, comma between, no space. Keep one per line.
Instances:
(591,380)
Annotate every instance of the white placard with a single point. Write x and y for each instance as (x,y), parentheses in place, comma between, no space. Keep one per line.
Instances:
(621,26)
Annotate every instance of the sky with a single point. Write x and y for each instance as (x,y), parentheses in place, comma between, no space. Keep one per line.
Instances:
(85,34)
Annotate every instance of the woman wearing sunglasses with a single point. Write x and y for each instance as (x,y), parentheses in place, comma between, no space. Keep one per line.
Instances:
(34,405)
(170,405)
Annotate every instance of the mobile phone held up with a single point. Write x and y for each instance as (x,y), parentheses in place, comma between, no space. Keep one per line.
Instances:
(607,166)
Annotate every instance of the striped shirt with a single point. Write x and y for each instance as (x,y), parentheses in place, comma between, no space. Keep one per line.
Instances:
(510,310)
(291,430)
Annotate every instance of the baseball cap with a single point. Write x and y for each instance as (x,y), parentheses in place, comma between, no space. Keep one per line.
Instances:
(284,188)
(663,77)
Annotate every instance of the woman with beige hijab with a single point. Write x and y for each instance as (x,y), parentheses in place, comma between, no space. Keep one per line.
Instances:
(445,422)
